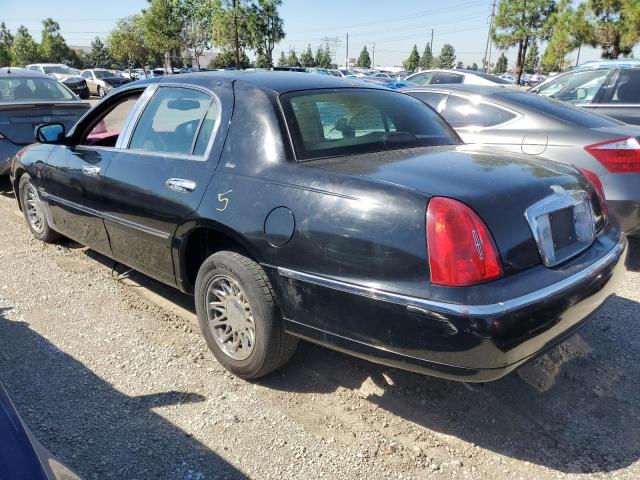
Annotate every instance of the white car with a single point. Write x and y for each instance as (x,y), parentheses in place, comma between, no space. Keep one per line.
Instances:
(468,77)
(63,74)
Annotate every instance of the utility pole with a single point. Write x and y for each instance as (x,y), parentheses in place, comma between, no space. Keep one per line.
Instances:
(373,56)
(431,44)
(346,56)
(487,49)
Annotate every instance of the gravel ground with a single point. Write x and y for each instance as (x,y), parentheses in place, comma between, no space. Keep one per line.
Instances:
(114,378)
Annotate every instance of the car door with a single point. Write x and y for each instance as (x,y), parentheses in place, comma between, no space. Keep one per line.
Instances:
(74,173)
(160,173)
(621,99)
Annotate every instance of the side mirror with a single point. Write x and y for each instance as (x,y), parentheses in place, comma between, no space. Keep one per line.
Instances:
(50,133)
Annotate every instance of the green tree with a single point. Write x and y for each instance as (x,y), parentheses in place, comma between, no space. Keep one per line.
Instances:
(502,65)
(232,28)
(267,28)
(282,61)
(533,58)
(53,47)
(474,66)
(364,60)
(426,60)
(306,59)
(413,61)
(460,64)
(24,49)
(126,42)
(614,24)
(198,26)
(6,41)
(227,59)
(323,58)
(164,22)
(570,30)
(519,23)
(292,59)
(447,57)
(99,56)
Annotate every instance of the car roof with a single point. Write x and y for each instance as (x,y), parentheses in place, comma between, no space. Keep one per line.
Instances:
(47,65)
(15,72)
(275,81)
(464,88)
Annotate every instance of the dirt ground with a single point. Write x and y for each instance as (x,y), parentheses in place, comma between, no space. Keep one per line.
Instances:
(113,376)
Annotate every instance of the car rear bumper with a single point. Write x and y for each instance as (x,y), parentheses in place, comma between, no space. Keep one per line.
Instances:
(7,150)
(623,198)
(474,343)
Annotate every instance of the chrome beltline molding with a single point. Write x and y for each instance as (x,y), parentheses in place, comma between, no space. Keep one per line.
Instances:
(106,216)
(437,308)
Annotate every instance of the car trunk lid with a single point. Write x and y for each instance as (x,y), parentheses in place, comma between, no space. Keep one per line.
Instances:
(498,188)
(18,120)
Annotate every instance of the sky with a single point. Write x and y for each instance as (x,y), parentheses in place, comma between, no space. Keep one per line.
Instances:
(394,27)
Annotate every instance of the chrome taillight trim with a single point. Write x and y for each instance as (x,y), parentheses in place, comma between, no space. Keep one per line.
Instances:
(537,216)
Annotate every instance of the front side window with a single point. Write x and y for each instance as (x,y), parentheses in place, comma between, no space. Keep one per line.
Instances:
(176,120)
(463,112)
(326,123)
(105,130)
(32,89)
(577,87)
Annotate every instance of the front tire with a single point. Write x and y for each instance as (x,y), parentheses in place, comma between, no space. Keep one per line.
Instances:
(239,317)
(33,211)
(101,92)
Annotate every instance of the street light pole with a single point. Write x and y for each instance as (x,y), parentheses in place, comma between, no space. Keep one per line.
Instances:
(346,56)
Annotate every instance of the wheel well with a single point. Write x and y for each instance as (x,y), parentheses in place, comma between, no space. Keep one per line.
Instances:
(16,186)
(199,245)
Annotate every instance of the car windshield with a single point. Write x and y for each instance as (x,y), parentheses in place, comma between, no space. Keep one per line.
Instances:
(338,122)
(32,89)
(560,110)
(103,73)
(576,87)
(56,69)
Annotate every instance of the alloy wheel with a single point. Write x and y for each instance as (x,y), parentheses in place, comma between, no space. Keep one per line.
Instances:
(33,207)
(230,318)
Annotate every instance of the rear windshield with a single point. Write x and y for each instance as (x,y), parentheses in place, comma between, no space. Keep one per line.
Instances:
(32,89)
(561,110)
(103,74)
(328,123)
(57,69)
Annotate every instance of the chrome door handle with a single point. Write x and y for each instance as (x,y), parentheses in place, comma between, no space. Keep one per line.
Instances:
(91,171)
(181,185)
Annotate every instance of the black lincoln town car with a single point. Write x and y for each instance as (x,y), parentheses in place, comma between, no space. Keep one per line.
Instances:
(302,206)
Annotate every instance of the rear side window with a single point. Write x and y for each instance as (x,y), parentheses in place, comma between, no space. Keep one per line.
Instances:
(462,112)
(560,110)
(432,99)
(176,120)
(327,123)
(628,87)
(447,78)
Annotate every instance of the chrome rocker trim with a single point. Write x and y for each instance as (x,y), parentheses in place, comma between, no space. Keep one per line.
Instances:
(433,307)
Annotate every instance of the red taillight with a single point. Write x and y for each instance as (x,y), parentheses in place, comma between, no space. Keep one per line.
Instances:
(597,184)
(461,250)
(621,155)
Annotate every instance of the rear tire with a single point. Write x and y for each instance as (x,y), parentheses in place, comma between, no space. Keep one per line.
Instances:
(100,92)
(239,317)
(33,211)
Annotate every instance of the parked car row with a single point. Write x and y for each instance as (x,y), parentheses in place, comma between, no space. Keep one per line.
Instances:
(340,212)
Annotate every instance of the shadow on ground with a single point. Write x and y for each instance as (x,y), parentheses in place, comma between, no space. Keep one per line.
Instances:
(96,430)
(574,410)
(633,262)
